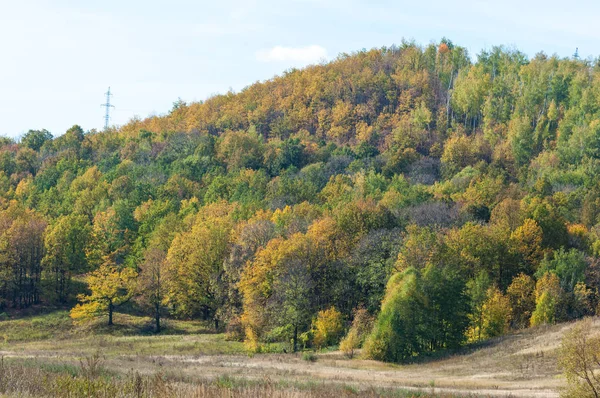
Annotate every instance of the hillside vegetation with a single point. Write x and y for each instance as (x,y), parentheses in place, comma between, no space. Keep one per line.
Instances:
(406,200)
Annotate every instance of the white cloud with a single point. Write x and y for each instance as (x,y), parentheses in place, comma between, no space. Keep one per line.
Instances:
(306,54)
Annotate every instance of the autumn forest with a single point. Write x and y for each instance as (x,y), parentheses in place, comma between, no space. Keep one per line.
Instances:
(403,201)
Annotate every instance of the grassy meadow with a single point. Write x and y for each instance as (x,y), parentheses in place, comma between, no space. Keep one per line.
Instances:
(48,355)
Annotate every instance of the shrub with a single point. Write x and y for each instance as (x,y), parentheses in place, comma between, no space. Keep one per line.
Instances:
(327,327)
(309,357)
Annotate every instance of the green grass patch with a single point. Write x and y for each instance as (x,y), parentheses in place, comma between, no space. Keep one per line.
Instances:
(131,335)
(53,325)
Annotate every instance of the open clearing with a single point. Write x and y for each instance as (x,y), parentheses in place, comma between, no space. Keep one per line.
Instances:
(520,365)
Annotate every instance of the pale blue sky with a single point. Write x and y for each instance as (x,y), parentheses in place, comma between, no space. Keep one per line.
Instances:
(59,56)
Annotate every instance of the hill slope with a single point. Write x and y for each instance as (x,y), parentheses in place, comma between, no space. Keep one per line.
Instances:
(444,199)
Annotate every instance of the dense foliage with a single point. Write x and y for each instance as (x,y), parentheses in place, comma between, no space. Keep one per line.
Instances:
(452,200)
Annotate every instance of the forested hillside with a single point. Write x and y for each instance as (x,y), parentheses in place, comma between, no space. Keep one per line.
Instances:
(409,198)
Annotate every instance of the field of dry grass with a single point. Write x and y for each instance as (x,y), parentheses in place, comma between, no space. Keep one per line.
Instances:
(188,359)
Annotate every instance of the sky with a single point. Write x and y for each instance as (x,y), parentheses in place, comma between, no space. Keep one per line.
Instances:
(58,57)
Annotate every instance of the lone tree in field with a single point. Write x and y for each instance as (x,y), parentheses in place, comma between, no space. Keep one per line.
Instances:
(579,357)
(110,287)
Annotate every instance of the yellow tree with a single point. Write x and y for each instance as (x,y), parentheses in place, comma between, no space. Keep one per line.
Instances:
(496,313)
(547,294)
(526,241)
(21,252)
(522,300)
(195,261)
(507,214)
(328,327)
(110,287)
(256,286)
(361,327)
(279,286)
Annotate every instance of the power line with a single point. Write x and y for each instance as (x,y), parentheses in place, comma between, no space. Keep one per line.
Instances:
(107,106)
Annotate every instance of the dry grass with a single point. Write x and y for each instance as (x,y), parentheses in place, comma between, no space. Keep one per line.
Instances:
(93,380)
(521,365)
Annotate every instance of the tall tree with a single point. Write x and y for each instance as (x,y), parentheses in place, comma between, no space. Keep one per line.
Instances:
(195,260)
(21,253)
(423,311)
(151,284)
(66,243)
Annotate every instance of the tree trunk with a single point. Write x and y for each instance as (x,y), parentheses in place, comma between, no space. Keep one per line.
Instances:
(157,318)
(110,313)
(295,339)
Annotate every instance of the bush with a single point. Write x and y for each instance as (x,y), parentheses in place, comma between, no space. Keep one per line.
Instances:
(327,327)
(309,357)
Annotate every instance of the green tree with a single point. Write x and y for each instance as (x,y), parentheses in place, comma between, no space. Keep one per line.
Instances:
(547,295)
(292,298)
(395,335)
(568,265)
(423,311)
(478,293)
(469,92)
(521,140)
(66,242)
(35,139)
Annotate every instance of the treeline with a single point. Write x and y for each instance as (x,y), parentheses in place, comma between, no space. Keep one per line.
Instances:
(405,198)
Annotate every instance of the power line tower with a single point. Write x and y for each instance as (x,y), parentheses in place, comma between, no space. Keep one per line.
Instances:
(576,55)
(107,106)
